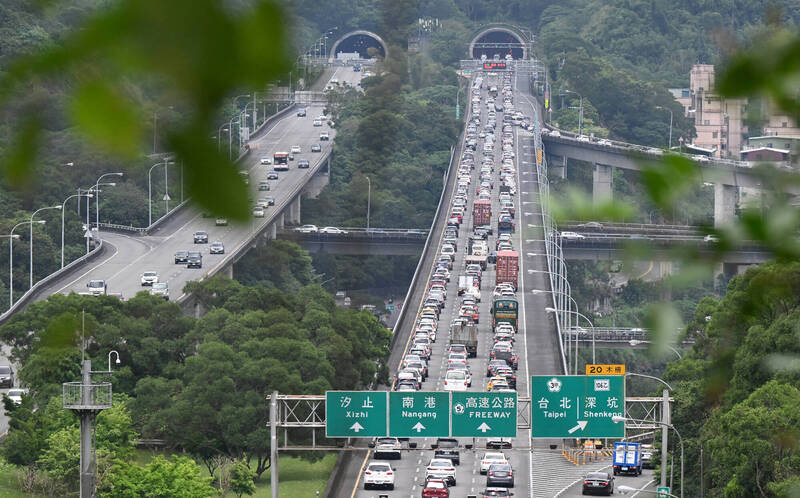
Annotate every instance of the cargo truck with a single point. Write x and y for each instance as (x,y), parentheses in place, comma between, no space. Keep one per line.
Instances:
(465,283)
(476,260)
(627,458)
(465,332)
(481,212)
(507,268)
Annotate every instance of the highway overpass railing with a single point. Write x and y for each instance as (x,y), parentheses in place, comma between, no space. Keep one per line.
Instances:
(33,291)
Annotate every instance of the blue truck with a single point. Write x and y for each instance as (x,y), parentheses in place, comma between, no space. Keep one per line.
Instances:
(627,458)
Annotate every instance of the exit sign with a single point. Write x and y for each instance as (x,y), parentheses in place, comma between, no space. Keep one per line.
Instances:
(494,64)
(605,369)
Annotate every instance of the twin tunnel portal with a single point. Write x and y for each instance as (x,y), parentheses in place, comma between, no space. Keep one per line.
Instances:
(489,41)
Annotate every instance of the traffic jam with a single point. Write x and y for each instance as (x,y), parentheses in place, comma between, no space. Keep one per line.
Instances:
(465,334)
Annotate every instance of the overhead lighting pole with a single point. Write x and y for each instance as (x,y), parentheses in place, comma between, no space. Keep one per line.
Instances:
(30,284)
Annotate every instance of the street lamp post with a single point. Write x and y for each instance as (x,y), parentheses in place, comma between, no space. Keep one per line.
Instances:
(166,163)
(219,136)
(580,113)
(30,284)
(666,425)
(9,237)
(670,125)
(636,342)
(579,315)
(63,208)
(97,202)
(11,259)
(369,199)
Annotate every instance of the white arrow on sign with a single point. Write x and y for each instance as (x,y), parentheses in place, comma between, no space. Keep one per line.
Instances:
(419,427)
(581,425)
(484,427)
(356,427)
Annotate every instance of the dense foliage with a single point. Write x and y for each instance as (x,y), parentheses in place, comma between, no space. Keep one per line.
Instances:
(200,384)
(736,392)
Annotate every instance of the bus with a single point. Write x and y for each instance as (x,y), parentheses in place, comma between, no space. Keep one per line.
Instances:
(505,310)
(281,161)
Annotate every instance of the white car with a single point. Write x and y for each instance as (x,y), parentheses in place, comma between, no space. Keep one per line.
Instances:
(490,458)
(324,136)
(378,475)
(258,212)
(388,447)
(296,149)
(455,380)
(307,229)
(160,289)
(317,122)
(266,160)
(333,230)
(710,238)
(15,395)
(149,277)
(441,468)
(571,235)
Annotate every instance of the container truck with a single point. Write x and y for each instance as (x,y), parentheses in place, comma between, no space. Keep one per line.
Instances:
(481,212)
(507,268)
(627,458)
(465,332)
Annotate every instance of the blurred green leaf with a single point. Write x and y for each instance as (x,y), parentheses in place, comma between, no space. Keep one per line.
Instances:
(22,152)
(668,180)
(107,118)
(578,206)
(213,178)
(664,323)
(197,52)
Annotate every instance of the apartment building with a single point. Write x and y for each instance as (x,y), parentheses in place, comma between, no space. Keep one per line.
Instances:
(720,122)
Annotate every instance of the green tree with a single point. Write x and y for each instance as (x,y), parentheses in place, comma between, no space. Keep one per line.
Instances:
(176,477)
(242,480)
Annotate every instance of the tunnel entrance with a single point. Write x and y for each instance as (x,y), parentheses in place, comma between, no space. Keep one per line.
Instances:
(359,44)
(498,42)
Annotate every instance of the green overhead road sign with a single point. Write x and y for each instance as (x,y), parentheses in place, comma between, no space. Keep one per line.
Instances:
(577,406)
(484,414)
(419,414)
(356,413)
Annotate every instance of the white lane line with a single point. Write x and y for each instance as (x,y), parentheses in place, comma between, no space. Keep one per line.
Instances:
(116,251)
(524,329)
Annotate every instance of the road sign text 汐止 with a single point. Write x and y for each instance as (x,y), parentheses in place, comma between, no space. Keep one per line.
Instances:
(577,406)
(356,414)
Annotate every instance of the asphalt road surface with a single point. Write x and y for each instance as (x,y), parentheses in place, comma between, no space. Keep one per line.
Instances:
(129,255)
(410,469)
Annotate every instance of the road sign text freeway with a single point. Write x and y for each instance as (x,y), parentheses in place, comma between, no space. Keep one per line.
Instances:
(488,414)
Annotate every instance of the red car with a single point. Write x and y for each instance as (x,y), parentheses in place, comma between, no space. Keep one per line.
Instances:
(436,488)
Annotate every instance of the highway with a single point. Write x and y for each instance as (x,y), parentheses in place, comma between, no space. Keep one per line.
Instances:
(128,255)
(410,469)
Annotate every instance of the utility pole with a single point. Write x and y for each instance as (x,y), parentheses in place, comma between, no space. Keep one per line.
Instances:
(664,443)
(273,444)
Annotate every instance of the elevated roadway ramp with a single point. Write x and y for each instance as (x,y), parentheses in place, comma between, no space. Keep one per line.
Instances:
(131,254)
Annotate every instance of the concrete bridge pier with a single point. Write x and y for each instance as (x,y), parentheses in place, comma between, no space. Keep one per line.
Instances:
(281,221)
(272,231)
(294,211)
(558,164)
(228,271)
(315,184)
(724,204)
(602,182)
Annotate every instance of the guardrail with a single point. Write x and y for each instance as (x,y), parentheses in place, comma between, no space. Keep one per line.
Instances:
(244,246)
(23,300)
(570,137)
